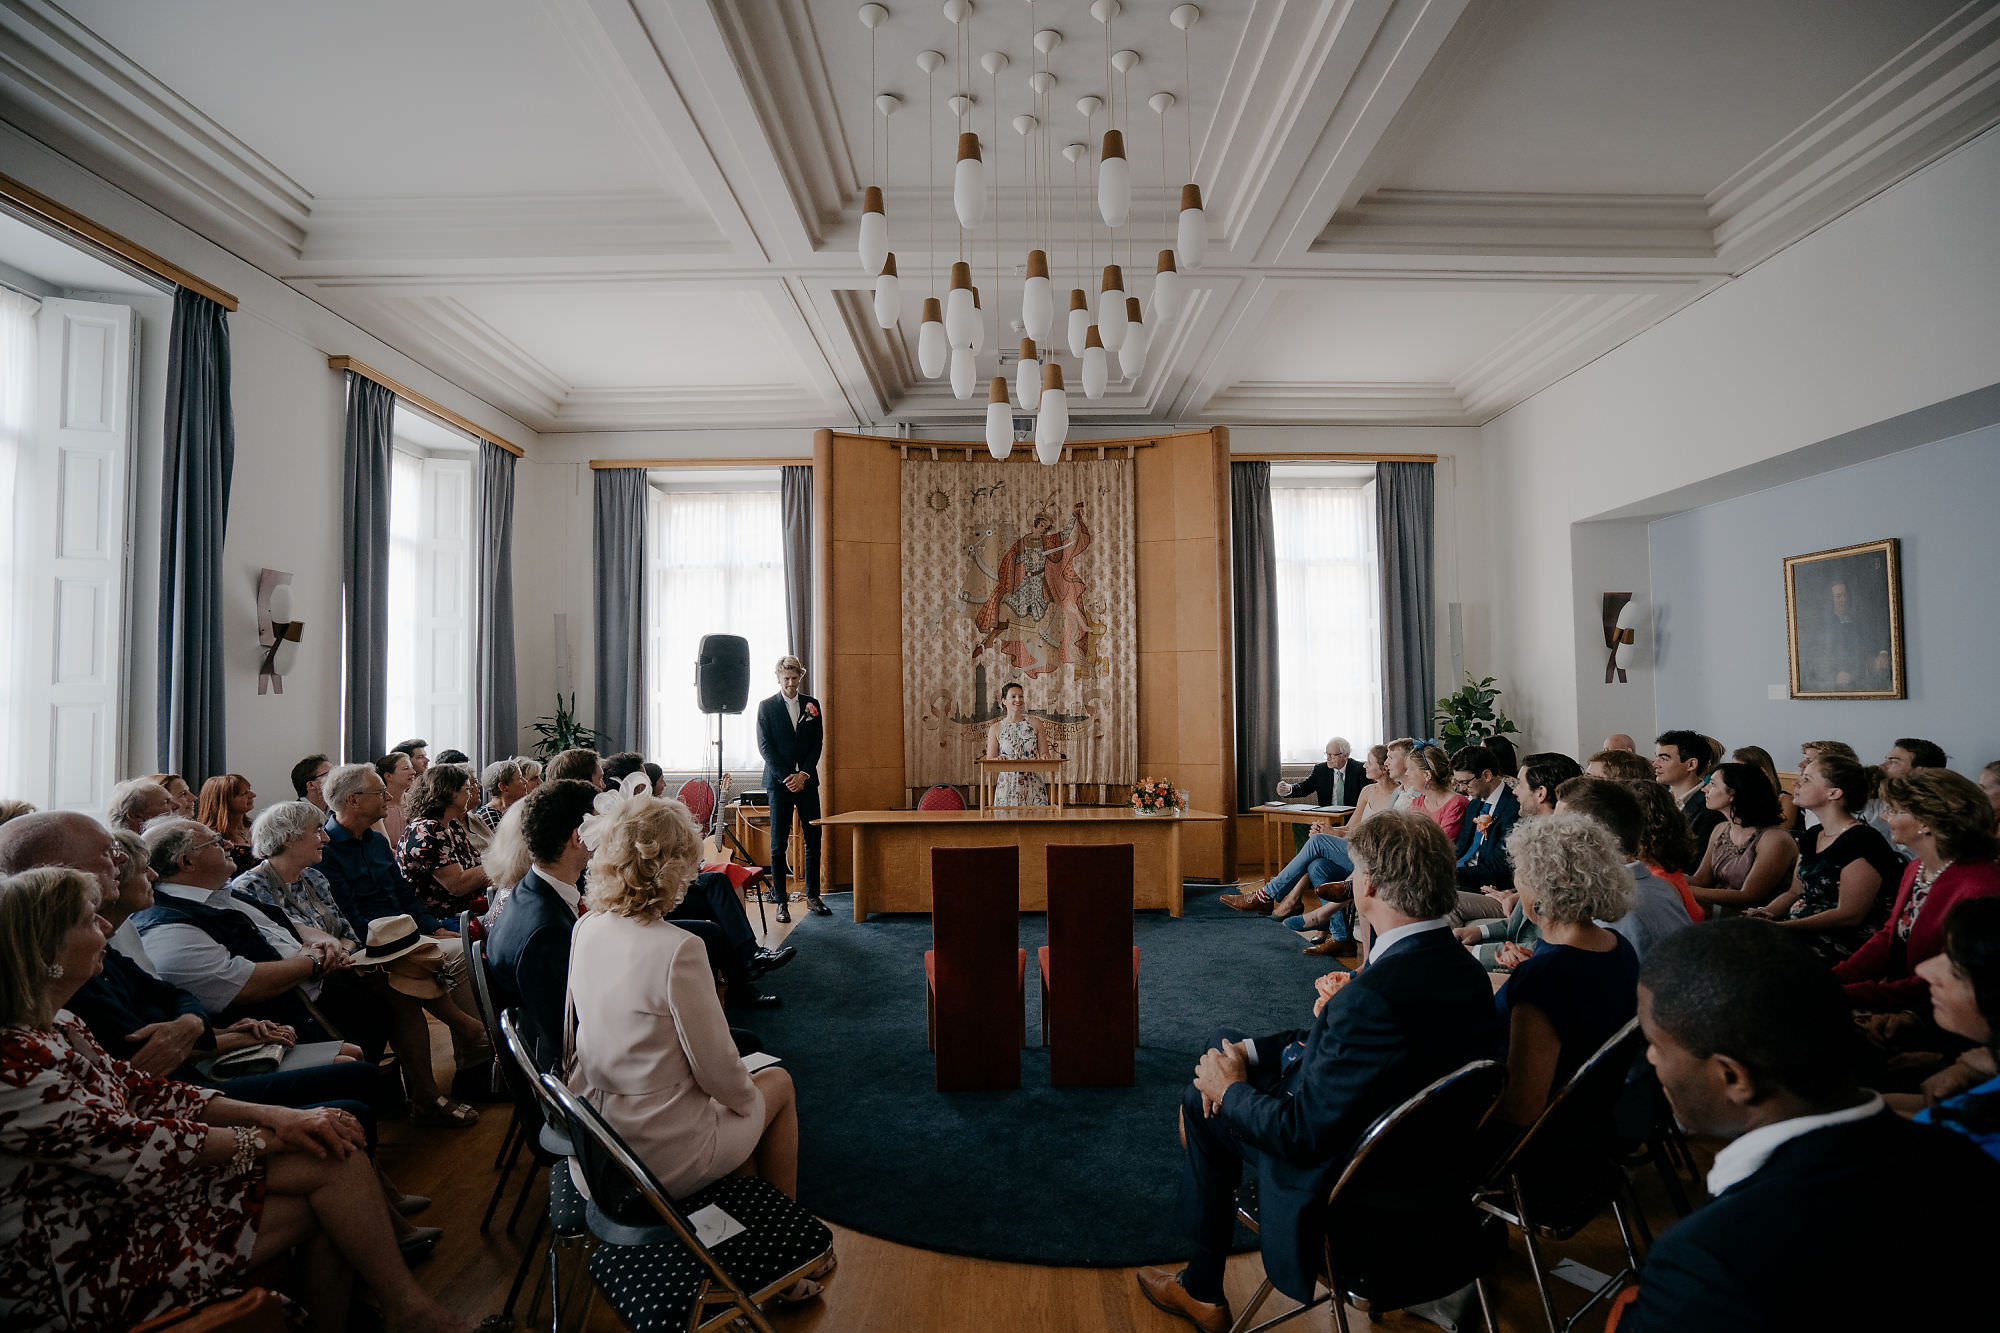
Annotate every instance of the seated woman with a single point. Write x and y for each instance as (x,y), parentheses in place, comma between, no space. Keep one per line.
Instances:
(1535,790)
(1015,736)
(1749,857)
(1430,785)
(225,806)
(1846,869)
(1965,1000)
(1580,985)
(398,771)
(185,803)
(1666,842)
(1760,759)
(1947,824)
(1321,861)
(437,856)
(123,1195)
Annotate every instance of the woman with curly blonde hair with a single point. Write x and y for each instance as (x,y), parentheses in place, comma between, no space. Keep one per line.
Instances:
(1581,983)
(649,1047)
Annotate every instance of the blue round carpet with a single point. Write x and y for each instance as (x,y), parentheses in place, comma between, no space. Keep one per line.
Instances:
(1060,1176)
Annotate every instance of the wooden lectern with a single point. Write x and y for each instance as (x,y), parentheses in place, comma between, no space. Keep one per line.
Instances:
(990,769)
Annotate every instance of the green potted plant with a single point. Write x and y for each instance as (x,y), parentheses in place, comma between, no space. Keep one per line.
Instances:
(1471,715)
(561,731)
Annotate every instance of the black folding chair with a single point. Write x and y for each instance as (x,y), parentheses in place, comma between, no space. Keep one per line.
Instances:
(1565,1170)
(1401,1229)
(650,1262)
(567,1228)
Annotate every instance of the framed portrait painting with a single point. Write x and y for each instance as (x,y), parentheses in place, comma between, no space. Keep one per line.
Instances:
(1844,615)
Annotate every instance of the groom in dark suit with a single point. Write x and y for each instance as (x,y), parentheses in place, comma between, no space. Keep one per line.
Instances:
(1491,812)
(789,736)
(1291,1106)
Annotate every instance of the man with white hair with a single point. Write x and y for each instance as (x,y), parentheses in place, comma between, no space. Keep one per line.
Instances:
(1337,781)
(358,863)
(135,801)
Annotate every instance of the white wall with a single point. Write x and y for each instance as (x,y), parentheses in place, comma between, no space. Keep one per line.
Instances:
(1888,310)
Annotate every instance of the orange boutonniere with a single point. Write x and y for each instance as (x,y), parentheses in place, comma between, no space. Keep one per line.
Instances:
(1482,822)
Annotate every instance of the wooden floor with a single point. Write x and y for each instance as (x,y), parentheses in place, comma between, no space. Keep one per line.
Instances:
(883,1286)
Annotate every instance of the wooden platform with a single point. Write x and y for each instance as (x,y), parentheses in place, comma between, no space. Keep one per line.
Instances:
(892,863)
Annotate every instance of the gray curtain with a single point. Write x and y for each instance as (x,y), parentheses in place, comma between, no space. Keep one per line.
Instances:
(1405,512)
(797,483)
(1254,587)
(364,567)
(496,704)
(620,604)
(200,455)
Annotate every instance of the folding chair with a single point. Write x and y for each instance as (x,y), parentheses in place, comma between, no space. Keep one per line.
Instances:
(650,1262)
(1565,1170)
(567,1229)
(473,940)
(1401,1228)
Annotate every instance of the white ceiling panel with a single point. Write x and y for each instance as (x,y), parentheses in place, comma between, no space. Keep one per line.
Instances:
(1351,332)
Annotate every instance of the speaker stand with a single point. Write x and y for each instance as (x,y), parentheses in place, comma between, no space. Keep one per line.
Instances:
(721,830)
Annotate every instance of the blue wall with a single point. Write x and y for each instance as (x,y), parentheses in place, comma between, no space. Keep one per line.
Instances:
(1719,604)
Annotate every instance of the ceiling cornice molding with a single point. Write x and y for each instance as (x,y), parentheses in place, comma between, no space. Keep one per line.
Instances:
(1277,401)
(1571,333)
(470,228)
(93,102)
(1934,96)
(778,58)
(483,351)
(1469,223)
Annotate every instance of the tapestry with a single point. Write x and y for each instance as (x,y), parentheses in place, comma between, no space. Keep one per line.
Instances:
(1014,573)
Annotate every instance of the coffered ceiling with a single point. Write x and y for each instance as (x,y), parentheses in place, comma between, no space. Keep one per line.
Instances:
(632,214)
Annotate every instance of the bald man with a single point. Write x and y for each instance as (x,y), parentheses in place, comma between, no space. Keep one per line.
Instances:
(1618,740)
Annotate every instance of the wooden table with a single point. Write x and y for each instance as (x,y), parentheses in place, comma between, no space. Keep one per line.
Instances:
(892,849)
(1277,812)
(990,770)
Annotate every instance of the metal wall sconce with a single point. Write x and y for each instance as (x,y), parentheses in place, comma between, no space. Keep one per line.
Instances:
(278,631)
(1621,633)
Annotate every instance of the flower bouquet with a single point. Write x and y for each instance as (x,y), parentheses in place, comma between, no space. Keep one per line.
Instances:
(1152,796)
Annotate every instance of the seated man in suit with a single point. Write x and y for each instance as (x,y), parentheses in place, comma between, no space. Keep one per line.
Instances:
(1492,810)
(1828,1210)
(1681,764)
(1338,781)
(1291,1106)
(528,951)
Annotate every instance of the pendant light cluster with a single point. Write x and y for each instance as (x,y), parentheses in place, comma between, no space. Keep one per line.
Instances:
(1109,336)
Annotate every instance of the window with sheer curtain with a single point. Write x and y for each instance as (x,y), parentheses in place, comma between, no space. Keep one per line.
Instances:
(430,598)
(716,565)
(17,385)
(1329,617)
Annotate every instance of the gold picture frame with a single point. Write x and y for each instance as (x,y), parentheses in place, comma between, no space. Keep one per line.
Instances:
(1844,622)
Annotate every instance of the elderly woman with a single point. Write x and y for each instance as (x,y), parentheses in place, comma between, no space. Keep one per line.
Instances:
(225,806)
(650,1048)
(1841,894)
(123,1195)
(1580,985)
(184,799)
(504,784)
(1947,823)
(1749,857)
(437,856)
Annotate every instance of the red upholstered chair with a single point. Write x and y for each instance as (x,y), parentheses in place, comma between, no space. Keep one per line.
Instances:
(975,1000)
(698,795)
(941,798)
(1090,967)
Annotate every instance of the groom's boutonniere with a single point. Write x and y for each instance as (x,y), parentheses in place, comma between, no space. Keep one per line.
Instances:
(812,709)
(1482,822)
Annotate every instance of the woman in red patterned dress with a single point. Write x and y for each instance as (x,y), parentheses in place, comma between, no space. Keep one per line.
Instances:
(123,1195)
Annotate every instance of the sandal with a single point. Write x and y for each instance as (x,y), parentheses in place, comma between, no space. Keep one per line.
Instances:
(444,1113)
(805,1289)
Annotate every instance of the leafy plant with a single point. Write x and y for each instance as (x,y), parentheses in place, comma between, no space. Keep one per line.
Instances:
(1470,716)
(561,731)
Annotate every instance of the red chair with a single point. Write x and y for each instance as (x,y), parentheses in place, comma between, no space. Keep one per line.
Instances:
(942,798)
(1090,1019)
(698,795)
(975,998)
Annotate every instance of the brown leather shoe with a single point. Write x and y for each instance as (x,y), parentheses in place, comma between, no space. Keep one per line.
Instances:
(1330,947)
(1163,1288)
(1247,902)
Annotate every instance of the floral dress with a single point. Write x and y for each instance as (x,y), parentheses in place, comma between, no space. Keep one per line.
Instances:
(309,902)
(1017,741)
(105,1217)
(428,844)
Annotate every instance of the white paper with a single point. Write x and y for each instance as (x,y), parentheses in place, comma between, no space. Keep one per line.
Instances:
(310,1055)
(1569,1270)
(712,1226)
(759,1060)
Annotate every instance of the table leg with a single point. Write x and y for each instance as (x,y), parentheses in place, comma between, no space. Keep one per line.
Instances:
(1267,848)
(860,873)
(1174,904)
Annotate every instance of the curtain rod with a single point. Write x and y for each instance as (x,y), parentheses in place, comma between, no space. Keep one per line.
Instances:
(430,405)
(602,464)
(75,224)
(1333,458)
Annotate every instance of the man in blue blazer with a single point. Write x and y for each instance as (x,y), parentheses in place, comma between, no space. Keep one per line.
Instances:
(1292,1105)
(790,734)
(527,954)
(1490,815)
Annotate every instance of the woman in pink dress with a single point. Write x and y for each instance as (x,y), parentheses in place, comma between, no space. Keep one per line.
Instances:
(1430,779)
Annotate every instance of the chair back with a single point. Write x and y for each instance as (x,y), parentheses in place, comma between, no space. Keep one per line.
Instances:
(527,1108)
(523,1074)
(941,798)
(1565,1166)
(1091,1019)
(476,975)
(698,795)
(975,927)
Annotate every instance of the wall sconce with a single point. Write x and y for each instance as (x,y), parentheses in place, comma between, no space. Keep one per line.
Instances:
(1621,633)
(278,631)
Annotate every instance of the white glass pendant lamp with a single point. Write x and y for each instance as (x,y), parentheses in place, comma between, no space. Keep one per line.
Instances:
(1096,364)
(1079,320)
(1132,353)
(964,373)
(1052,422)
(1111,308)
(968,183)
(1028,382)
(1166,288)
(959,315)
(1038,297)
(888,294)
(999,419)
(933,347)
(874,231)
(1191,238)
(1114,181)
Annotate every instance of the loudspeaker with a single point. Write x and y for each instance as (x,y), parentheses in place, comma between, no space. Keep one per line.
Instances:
(722,673)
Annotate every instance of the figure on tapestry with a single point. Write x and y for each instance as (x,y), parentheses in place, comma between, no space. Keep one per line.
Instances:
(1035,606)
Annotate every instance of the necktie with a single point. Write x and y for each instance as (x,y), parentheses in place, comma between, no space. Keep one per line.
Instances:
(1339,781)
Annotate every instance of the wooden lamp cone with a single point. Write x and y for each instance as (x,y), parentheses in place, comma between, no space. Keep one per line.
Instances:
(1114,143)
(933,311)
(1090,338)
(1166,264)
(1114,278)
(996,391)
(871,200)
(1027,349)
(889,265)
(1132,311)
(968,147)
(1190,196)
(1077,300)
(1052,376)
(1038,264)
(961,276)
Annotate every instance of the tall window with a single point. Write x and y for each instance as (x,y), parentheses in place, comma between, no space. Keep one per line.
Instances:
(430,595)
(17,387)
(716,557)
(1328,609)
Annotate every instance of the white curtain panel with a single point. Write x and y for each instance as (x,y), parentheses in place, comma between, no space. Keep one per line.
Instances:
(717,566)
(17,387)
(1329,619)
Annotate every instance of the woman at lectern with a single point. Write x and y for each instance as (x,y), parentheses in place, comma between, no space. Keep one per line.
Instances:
(1015,736)
(790,734)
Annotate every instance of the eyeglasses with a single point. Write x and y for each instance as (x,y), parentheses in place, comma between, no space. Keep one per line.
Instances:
(217,841)
(119,856)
